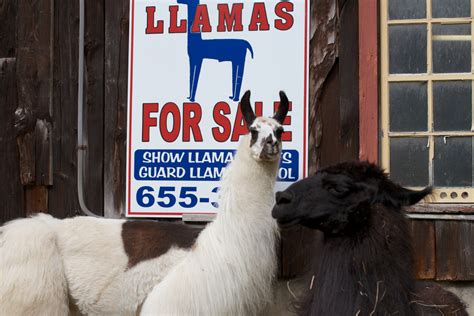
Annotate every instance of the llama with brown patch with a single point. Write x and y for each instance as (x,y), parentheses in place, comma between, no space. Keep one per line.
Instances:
(365,266)
(102,266)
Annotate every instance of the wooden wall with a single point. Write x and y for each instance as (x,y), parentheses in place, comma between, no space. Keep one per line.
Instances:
(11,191)
(444,250)
(38,116)
(38,105)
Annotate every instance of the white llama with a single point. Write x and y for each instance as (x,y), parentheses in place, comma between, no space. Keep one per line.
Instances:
(99,266)
(232,265)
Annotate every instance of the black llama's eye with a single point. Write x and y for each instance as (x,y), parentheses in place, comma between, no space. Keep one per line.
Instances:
(278,132)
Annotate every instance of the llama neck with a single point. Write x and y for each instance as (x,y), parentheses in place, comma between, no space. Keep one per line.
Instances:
(369,272)
(240,244)
(248,185)
(192,36)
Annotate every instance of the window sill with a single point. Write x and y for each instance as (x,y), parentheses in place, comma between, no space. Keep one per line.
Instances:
(460,209)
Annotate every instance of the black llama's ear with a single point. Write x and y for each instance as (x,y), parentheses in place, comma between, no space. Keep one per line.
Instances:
(282,109)
(397,195)
(246,108)
(409,197)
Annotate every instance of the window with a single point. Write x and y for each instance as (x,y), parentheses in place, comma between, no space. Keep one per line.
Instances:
(427,82)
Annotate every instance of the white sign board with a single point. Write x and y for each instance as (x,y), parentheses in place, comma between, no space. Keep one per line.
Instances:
(190,62)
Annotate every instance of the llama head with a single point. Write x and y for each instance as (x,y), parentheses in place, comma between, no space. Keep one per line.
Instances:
(338,199)
(265,132)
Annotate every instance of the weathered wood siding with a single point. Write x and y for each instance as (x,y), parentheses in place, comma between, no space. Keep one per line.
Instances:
(11,191)
(94,62)
(38,104)
(63,197)
(454,250)
(115,105)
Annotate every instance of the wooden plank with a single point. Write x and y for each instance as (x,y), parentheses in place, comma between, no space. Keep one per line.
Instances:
(116,72)
(11,194)
(34,88)
(368,80)
(94,104)
(322,57)
(424,255)
(8,11)
(349,82)
(36,199)
(43,153)
(62,195)
(454,250)
(466,241)
(26,148)
(330,147)
(442,208)
(339,97)
(447,250)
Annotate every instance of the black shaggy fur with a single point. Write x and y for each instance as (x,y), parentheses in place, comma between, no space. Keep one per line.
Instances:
(365,267)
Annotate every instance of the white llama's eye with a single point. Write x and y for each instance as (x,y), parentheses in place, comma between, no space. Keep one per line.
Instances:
(254,134)
(278,132)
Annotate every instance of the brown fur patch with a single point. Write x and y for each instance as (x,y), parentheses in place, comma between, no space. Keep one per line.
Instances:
(144,240)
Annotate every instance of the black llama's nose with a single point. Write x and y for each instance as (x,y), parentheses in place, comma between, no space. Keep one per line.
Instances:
(283,197)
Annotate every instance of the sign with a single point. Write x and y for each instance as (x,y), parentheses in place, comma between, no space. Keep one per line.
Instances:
(190,61)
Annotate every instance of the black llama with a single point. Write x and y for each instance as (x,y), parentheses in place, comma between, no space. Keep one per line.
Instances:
(365,267)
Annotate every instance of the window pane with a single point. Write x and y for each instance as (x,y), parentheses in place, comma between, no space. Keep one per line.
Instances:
(406,9)
(407,48)
(451,56)
(453,161)
(408,106)
(451,8)
(451,29)
(452,105)
(409,161)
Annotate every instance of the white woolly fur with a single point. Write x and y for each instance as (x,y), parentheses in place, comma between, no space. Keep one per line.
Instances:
(79,265)
(54,267)
(231,268)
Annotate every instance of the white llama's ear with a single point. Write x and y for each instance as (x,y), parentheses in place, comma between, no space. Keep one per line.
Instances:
(282,109)
(246,108)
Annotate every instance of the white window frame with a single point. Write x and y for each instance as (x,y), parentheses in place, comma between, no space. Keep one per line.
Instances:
(446,195)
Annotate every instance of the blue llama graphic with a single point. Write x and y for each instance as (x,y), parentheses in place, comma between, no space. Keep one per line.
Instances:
(233,50)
